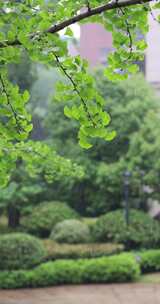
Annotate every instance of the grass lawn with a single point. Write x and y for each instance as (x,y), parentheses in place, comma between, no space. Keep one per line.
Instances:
(3,224)
(150,278)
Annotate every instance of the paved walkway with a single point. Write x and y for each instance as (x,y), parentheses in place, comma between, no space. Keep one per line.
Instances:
(88,294)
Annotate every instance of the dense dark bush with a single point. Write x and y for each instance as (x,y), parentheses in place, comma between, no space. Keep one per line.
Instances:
(45,216)
(149,260)
(143,231)
(71,232)
(121,268)
(67,251)
(20,251)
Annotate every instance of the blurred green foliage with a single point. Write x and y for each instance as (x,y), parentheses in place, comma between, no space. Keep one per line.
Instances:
(45,216)
(71,231)
(149,260)
(134,110)
(142,232)
(20,251)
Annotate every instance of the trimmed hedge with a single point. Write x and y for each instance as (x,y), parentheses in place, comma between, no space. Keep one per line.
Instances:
(143,231)
(149,261)
(45,216)
(121,268)
(71,232)
(89,221)
(65,251)
(20,251)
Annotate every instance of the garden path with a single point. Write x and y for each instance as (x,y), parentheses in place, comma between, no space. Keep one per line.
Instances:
(85,294)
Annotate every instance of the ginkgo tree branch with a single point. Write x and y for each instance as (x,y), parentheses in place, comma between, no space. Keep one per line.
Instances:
(122,11)
(70,78)
(95,11)
(15,115)
(82,16)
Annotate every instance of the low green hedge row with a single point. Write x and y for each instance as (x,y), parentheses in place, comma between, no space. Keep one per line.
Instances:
(149,261)
(120,268)
(78,251)
(124,267)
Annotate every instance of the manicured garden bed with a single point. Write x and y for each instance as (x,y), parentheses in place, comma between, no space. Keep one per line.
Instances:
(118,268)
(28,261)
(69,264)
(67,251)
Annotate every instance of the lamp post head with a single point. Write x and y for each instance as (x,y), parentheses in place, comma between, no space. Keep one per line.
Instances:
(127,175)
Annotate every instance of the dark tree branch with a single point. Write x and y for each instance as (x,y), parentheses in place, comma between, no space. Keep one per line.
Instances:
(94,11)
(84,15)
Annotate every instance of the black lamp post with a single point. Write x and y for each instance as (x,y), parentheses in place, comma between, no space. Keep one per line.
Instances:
(142,202)
(127,175)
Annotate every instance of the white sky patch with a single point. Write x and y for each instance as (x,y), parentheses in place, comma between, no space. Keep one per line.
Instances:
(76,31)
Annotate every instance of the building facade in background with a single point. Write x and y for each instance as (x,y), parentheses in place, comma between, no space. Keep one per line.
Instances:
(152,54)
(95,43)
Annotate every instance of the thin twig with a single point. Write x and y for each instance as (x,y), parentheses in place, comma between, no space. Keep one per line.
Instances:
(128,33)
(88,5)
(152,14)
(10,105)
(75,88)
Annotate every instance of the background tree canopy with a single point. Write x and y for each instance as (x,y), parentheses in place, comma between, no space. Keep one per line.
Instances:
(101,189)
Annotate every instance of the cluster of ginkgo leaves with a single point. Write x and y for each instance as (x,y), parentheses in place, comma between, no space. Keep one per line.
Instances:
(35,26)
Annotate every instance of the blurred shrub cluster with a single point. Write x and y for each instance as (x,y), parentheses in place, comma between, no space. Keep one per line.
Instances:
(45,216)
(142,232)
(71,232)
(20,251)
(150,260)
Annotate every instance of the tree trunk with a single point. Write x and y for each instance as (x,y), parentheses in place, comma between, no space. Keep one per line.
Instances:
(13,217)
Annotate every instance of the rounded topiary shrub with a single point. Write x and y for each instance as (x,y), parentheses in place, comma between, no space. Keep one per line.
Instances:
(20,251)
(71,231)
(45,216)
(142,232)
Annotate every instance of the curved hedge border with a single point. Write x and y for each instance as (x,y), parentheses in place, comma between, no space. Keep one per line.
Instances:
(118,268)
(79,251)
